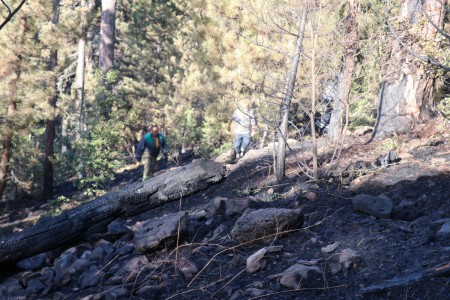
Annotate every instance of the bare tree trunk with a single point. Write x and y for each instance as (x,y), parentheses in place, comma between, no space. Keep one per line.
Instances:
(406,97)
(12,95)
(350,43)
(284,109)
(264,137)
(50,131)
(108,36)
(313,107)
(79,85)
(64,136)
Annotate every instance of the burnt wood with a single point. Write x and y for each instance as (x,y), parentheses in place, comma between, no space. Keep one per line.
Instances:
(51,232)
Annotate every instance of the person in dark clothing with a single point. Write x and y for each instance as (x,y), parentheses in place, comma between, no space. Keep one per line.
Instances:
(149,148)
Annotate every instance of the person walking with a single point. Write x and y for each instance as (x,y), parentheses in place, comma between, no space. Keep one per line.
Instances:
(149,148)
(243,116)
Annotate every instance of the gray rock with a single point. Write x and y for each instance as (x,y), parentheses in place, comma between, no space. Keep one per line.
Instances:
(10,288)
(61,266)
(236,206)
(299,275)
(117,229)
(28,276)
(79,266)
(123,249)
(444,231)
(254,292)
(47,274)
(236,295)
(227,207)
(35,286)
(253,226)
(187,267)
(153,233)
(32,263)
(255,261)
(436,225)
(150,292)
(102,253)
(380,207)
(117,293)
(349,259)
(91,277)
(131,266)
(329,248)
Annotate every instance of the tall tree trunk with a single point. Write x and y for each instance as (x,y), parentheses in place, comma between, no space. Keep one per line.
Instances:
(12,95)
(108,36)
(350,43)
(50,131)
(406,97)
(79,85)
(285,105)
(64,136)
(313,106)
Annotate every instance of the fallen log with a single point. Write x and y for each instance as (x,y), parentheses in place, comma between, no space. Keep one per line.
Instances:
(440,271)
(52,232)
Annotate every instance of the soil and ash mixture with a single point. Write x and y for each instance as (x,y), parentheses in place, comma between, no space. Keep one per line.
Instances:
(378,227)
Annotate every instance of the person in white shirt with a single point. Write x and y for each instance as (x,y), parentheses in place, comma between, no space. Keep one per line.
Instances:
(243,116)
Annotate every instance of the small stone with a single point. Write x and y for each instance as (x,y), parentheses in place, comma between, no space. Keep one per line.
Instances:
(254,292)
(348,259)
(297,275)
(258,284)
(310,196)
(254,262)
(330,248)
(270,192)
(187,267)
(91,277)
(444,231)
(32,263)
(236,295)
(117,293)
(35,286)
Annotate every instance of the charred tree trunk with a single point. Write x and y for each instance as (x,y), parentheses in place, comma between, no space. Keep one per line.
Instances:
(406,97)
(285,105)
(9,129)
(345,77)
(50,131)
(94,216)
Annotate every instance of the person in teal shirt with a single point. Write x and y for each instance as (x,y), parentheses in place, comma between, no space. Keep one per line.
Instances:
(149,148)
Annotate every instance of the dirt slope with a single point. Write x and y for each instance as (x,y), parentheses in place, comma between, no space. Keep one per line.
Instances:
(405,246)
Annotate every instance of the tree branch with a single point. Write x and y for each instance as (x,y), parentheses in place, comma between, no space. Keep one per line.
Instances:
(10,14)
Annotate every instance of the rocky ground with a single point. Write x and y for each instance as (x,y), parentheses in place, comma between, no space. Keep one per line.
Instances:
(377,227)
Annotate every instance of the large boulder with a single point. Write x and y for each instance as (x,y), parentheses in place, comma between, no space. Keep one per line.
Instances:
(153,233)
(380,207)
(268,222)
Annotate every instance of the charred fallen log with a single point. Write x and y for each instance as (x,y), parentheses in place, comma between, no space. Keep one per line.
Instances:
(52,232)
(440,271)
